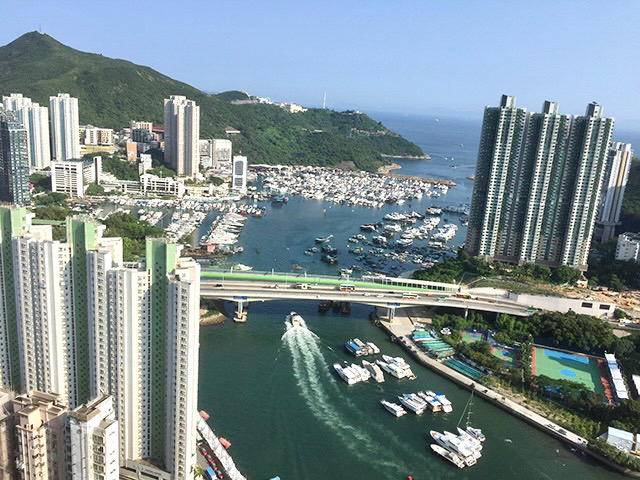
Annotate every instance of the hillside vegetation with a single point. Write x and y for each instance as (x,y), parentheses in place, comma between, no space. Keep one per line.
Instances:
(111,92)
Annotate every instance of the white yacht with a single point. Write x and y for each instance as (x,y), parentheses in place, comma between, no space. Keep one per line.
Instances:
(452,457)
(412,403)
(391,369)
(456,446)
(374,370)
(346,374)
(393,408)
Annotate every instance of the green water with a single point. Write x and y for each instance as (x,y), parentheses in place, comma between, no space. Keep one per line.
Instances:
(278,401)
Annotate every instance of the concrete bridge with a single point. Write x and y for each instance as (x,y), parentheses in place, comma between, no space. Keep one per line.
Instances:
(390,293)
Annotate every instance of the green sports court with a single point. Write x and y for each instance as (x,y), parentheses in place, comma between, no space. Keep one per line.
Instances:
(567,366)
(508,355)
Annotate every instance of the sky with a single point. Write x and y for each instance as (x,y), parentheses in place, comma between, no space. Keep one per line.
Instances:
(421,57)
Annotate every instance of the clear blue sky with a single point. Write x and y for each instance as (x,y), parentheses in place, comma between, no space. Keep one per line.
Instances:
(430,57)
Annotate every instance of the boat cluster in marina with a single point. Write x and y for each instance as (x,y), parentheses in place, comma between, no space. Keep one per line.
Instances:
(349,187)
(224,232)
(462,449)
(419,402)
(358,348)
(183,223)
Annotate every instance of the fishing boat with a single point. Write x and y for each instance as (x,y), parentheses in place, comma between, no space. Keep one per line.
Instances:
(324,239)
(324,306)
(346,308)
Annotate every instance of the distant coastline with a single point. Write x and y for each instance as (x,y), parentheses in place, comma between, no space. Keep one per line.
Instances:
(408,157)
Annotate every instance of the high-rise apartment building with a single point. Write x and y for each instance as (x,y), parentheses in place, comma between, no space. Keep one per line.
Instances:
(83,323)
(93,431)
(181,135)
(239,174)
(35,120)
(40,420)
(612,193)
(537,184)
(65,127)
(14,160)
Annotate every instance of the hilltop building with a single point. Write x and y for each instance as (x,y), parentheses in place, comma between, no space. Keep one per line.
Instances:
(14,160)
(612,193)
(35,120)
(128,330)
(537,184)
(181,135)
(65,129)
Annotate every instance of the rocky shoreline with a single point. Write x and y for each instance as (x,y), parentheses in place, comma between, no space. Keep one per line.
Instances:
(385,169)
(408,157)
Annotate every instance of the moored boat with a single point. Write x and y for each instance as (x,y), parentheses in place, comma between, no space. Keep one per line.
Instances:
(374,370)
(452,457)
(393,408)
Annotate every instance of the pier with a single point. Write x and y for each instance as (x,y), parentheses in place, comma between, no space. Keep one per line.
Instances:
(401,326)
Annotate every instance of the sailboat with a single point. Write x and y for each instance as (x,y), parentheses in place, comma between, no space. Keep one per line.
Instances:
(474,433)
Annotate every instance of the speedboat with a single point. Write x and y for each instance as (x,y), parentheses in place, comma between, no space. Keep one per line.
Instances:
(294,320)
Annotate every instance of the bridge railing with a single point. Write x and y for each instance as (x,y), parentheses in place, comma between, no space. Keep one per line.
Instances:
(367,281)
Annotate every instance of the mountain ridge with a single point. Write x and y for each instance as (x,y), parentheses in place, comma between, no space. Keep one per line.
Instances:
(111,92)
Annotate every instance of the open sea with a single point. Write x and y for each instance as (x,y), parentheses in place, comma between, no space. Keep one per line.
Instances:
(275,396)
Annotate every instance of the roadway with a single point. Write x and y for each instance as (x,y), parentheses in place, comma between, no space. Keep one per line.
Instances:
(255,291)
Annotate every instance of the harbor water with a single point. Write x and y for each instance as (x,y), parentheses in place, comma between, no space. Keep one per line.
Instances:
(276,397)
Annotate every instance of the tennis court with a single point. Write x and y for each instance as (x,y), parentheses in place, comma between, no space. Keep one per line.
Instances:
(471,337)
(508,355)
(567,366)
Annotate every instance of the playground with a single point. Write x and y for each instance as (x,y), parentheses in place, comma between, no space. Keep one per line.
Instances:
(562,365)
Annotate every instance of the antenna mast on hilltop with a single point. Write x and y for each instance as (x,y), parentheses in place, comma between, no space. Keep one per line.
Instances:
(324,101)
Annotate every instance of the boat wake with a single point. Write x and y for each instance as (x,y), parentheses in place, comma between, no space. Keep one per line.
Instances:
(314,382)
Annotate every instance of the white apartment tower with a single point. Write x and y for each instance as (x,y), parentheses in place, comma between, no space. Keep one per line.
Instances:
(77,320)
(612,192)
(239,171)
(537,184)
(181,135)
(65,127)
(93,430)
(35,120)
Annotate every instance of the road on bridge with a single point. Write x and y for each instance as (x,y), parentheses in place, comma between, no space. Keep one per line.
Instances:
(253,291)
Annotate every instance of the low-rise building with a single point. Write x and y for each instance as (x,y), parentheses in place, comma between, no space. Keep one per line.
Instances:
(292,107)
(132,151)
(74,176)
(628,247)
(90,135)
(40,436)
(146,163)
(93,431)
(161,186)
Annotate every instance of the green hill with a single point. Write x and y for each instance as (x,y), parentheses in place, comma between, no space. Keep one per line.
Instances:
(111,92)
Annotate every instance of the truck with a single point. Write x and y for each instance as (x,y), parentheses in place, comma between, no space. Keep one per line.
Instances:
(209,474)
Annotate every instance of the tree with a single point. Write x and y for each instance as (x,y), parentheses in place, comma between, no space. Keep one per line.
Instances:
(622,347)
(616,284)
(619,314)
(41,183)
(565,274)
(94,189)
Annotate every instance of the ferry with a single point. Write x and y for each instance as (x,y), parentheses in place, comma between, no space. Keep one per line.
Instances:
(346,374)
(452,457)
(374,370)
(354,349)
(293,320)
(393,408)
